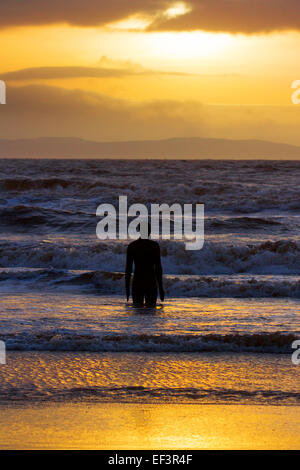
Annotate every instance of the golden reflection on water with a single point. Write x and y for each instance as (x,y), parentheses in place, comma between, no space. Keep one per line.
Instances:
(51,373)
(132,426)
(140,425)
(100,315)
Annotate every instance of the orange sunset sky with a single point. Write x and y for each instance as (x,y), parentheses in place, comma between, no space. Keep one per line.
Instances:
(136,69)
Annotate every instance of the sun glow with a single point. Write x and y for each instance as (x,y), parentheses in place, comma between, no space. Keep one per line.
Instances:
(190,45)
(133,23)
(140,23)
(177,9)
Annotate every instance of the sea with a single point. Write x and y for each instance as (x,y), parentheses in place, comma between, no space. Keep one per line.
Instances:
(226,330)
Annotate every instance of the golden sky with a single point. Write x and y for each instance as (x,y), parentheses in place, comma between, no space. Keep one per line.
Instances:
(150,69)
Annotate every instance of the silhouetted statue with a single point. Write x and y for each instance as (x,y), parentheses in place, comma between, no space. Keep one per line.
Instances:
(145,254)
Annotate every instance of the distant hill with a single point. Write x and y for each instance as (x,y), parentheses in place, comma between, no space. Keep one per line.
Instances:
(183,148)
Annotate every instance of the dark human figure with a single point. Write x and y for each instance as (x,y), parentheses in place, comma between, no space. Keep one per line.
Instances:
(145,254)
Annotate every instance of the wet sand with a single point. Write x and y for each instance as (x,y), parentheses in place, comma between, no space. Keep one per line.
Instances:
(151,426)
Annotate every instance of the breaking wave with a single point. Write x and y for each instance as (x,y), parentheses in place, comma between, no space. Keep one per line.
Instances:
(268,257)
(112,283)
(60,340)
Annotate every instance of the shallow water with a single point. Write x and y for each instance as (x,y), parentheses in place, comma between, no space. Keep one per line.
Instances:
(204,378)
(231,311)
(64,322)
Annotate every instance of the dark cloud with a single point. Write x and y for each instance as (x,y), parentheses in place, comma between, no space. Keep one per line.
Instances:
(76,12)
(244,16)
(236,16)
(53,72)
(43,73)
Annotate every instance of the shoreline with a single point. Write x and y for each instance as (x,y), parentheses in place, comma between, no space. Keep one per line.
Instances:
(32,377)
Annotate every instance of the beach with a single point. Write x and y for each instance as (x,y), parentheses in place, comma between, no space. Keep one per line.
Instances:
(149,426)
(150,228)
(84,400)
(211,368)
(66,400)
